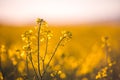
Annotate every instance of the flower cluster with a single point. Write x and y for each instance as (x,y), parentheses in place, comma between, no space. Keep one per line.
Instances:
(58,74)
(106,44)
(66,36)
(42,34)
(105,72)
(27,37)
(42,30)
(102,73)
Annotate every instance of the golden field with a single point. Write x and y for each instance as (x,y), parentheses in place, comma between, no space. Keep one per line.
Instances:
(82,58)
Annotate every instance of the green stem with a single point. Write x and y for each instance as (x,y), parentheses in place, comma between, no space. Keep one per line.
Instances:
(30,57)
(53,55)
(106,52)
(27,69)
(45,53)
(39,28)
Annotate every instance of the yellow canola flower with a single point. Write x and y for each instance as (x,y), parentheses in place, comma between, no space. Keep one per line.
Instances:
(85,78)
(21,67)
(19,78)
(62,75)
(52,75)
(2,48)
(98,76)
(105,38)
(1,76)
(59,72)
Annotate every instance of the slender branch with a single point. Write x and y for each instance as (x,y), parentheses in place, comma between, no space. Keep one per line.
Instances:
(30,57)
(27,69)
(45,53)
(53,55)
(39,28)
(106,52)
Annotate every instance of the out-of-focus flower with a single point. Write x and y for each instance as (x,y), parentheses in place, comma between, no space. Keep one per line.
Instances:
(84,78)
(38,20)
(19,78)
(41,22)
(52,75)
(102,73)
(49,34)
(2,49)
(59,72)
(46,34)
(105,38)
(1,76)
(62,75)
(67,34)
(27,36)
(98,76)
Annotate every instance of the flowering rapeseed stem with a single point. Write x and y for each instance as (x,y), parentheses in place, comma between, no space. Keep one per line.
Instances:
(43,34)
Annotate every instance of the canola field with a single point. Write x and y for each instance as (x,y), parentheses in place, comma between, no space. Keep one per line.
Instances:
(89,52)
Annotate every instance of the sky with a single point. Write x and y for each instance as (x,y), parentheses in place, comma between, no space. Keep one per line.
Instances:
(58,11)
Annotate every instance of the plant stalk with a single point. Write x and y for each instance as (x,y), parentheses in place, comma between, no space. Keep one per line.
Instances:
(52,55)
(30,57)
(45,53)
(39,29)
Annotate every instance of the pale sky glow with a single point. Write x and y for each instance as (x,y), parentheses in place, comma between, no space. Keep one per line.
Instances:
(58,11)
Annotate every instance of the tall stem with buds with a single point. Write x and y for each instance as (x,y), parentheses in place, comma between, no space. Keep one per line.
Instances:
(39,28)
